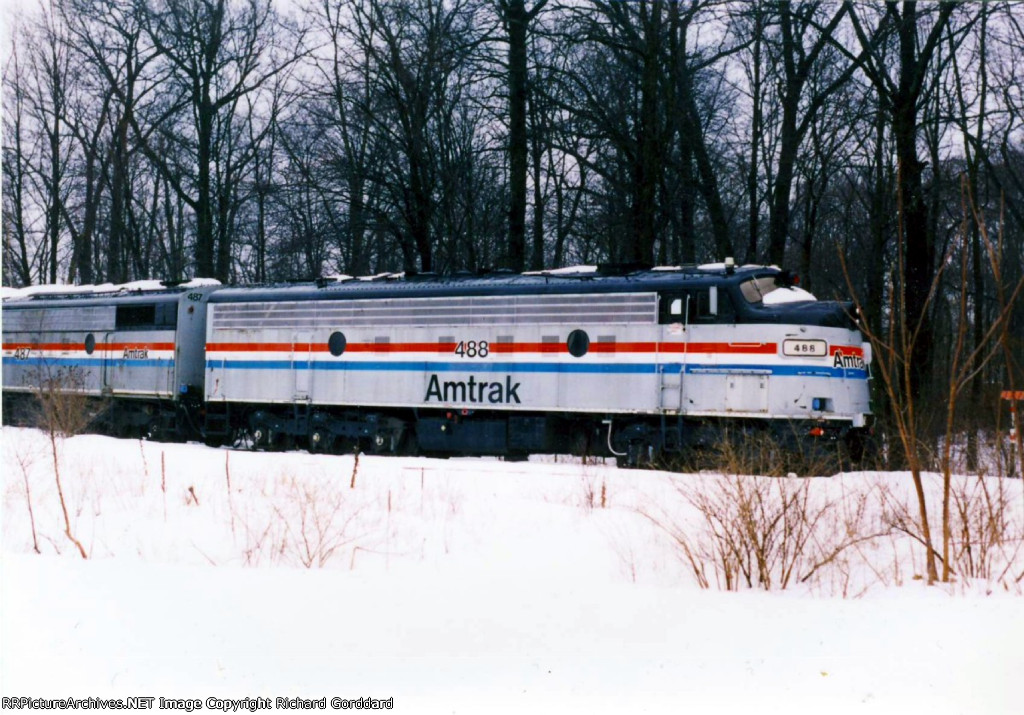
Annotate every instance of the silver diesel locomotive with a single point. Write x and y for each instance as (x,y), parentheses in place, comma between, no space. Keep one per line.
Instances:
(634,363)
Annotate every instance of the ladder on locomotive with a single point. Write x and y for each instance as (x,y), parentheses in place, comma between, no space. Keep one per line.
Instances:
(671,375)
(670,384)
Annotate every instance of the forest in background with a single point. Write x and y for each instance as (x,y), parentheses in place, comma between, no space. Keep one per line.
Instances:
(877,149)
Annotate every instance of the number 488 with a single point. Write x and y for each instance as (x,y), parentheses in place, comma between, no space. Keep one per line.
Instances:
(472,349)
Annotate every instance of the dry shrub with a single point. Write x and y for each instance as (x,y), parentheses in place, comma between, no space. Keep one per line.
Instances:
(25,460)
(62,405)
(316,523)
(769,533)
(760,528)
(1008,461)
(986,530)
(63,412)
(769,453)
(755,533)
(591,496)
(986,535)
(307,524)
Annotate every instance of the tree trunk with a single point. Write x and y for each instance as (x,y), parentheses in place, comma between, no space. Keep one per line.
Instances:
(918,269)
(203,207)
(646,163)
(537,146)
(515,20)
(788,144)
(756,123)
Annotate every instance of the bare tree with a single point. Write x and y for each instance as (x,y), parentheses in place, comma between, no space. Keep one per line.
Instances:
(974,143)
(218,52)
(805,37)
(47,80)
(419,51)
(638,88)
(109,42)
(755,69)
(17,257)
(343,101)
(900,96)
(516,20)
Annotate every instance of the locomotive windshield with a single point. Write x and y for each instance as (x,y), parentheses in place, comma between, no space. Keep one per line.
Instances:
(756,289)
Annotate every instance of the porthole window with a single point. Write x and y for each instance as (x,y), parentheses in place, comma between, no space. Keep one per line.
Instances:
(90,344)
(336,343)
(578,343)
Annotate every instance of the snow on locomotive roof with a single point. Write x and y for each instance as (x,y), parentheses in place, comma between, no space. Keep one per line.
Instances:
(342,277)
(704,267)
(792,294)
(723,266)
(610,277)
(568,270)
(604,278)
(707,267)
(141,286)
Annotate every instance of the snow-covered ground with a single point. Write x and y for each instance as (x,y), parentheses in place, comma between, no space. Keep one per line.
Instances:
(467,585)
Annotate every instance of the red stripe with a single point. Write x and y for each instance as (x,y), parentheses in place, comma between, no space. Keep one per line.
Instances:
(135,346)
(81,346)
(43,346)
(322,347)
(250,347)
(503,348)
(733,348)
(495,347)
(394,347)
(512,348)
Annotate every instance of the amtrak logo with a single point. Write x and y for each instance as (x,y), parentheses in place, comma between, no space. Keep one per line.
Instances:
(136,353)
(495,393)
(848,362)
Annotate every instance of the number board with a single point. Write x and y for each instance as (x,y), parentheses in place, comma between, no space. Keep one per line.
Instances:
(805,348)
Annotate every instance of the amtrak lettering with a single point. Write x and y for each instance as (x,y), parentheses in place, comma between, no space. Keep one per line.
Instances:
(136,353)
(470,390)
(854,362)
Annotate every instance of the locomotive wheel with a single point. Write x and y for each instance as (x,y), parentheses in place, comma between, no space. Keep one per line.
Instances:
(380,443)
(320,440)
(370,445)
(242,438)
(150,431)
(262,436)
(407,444)
(639,455)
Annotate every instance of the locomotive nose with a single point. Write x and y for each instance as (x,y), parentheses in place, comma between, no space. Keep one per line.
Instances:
(823,313)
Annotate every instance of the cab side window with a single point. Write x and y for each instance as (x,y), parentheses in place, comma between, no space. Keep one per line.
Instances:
(726,310)
(137,317)
(673,309)
(146,316)
(699,305)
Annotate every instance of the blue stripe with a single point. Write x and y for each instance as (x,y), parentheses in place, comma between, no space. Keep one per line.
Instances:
(541,367)
(421,366)
(474,367)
